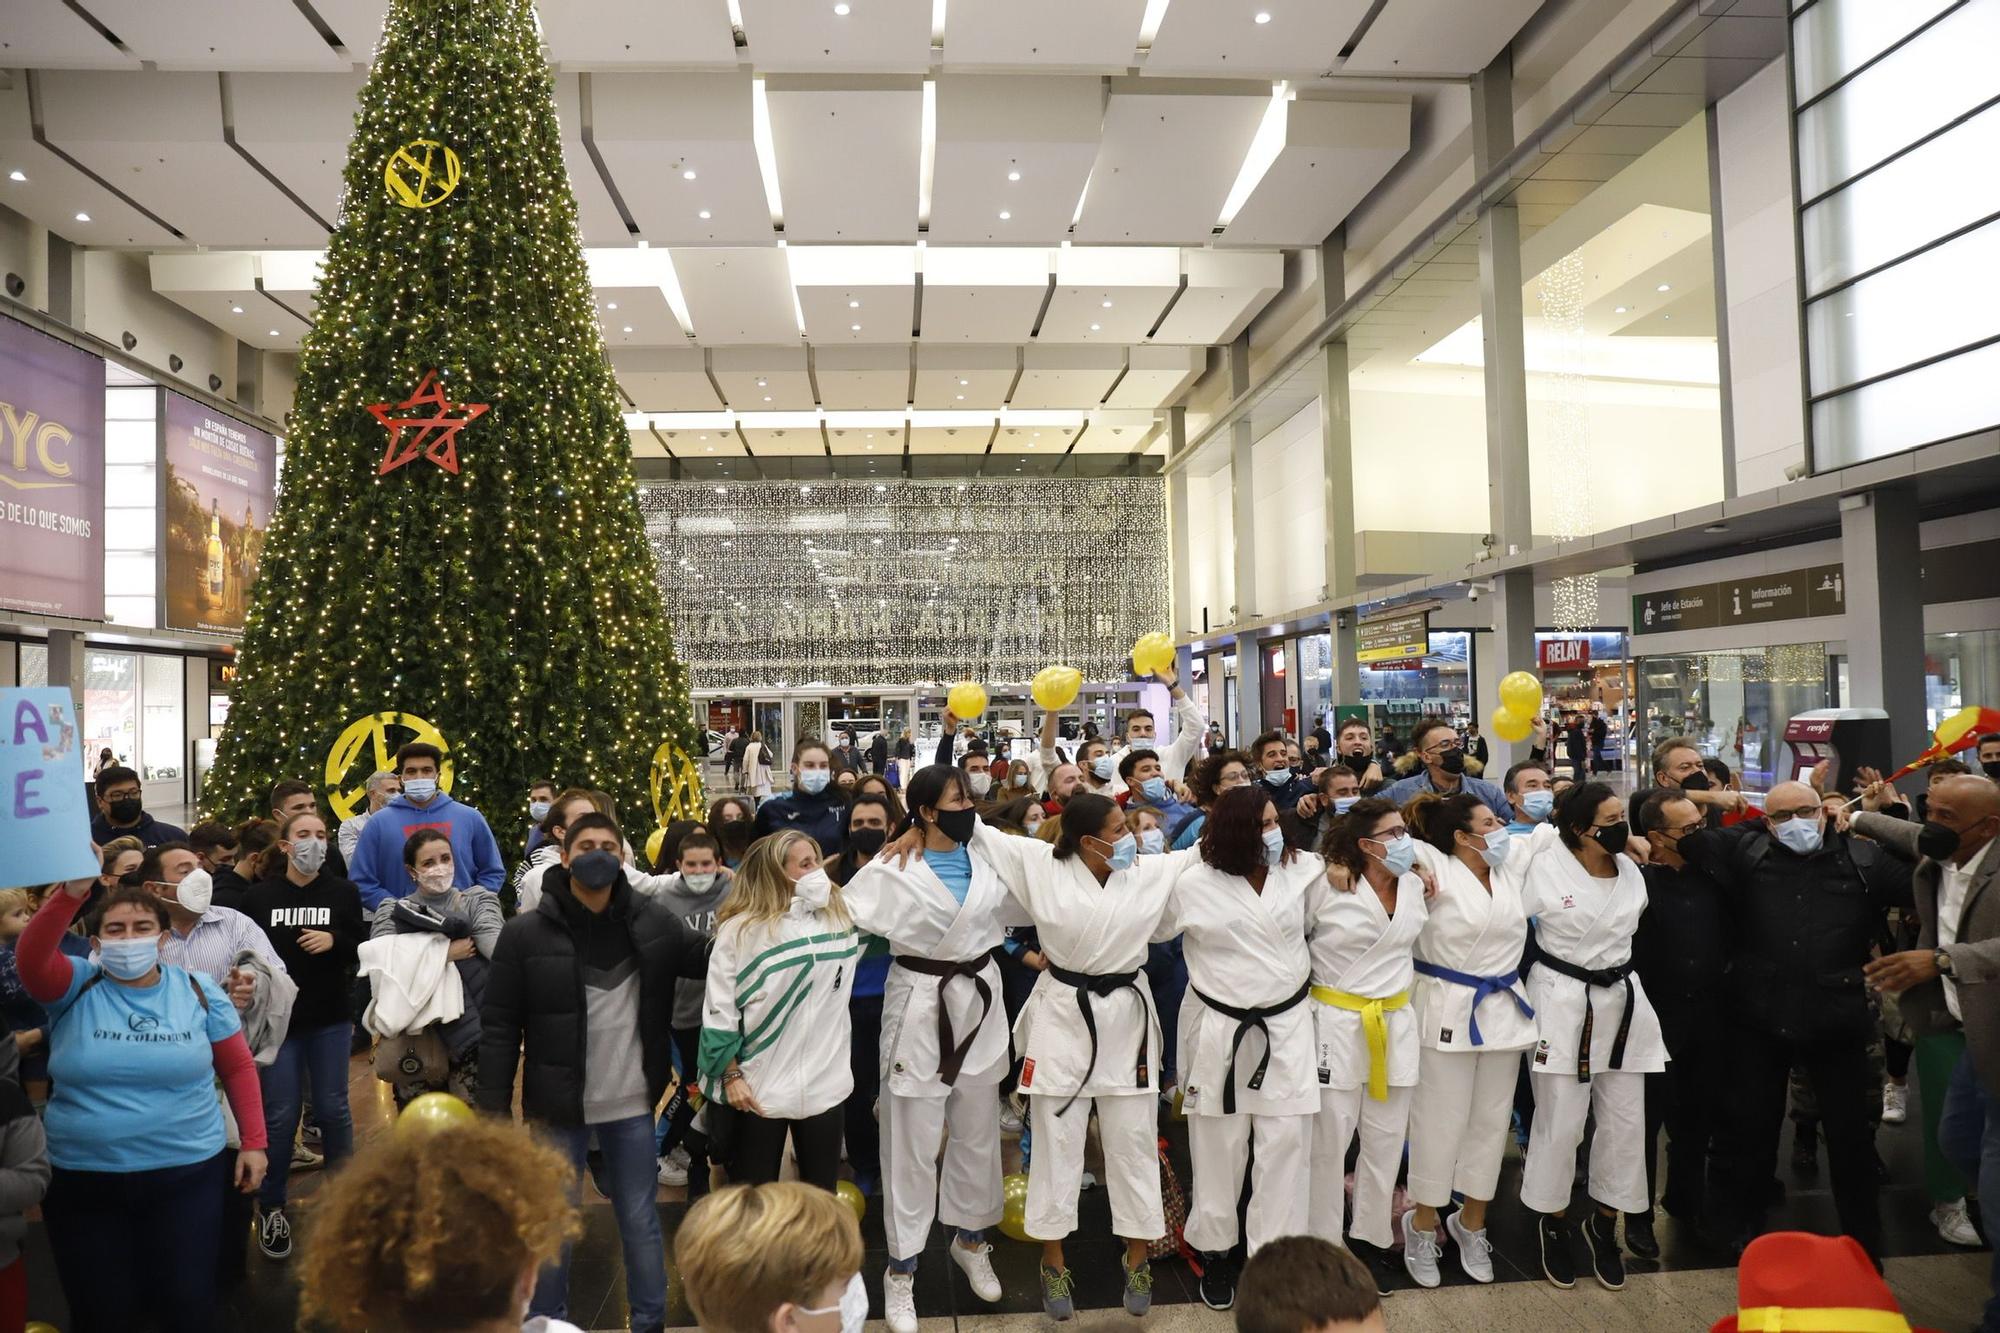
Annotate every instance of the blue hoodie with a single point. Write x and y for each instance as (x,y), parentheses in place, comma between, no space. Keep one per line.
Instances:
(377,864)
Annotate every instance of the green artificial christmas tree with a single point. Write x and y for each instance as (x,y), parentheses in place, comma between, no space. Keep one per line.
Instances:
(457,540)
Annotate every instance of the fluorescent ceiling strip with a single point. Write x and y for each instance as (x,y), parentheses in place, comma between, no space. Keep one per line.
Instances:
(736,14)
(1265,146)
(1081,195)
(636,421)
(1011,417)
(877,420)
(937,22)
(934,419)
(798,306)
(767,153)
(670,287)
(1149,23)
(928,171)
(694,421)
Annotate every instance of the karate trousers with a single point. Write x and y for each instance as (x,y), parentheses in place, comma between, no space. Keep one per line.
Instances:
(1383,1126)
(1617,1149)
(1460,1114)
(1279,1193)
(963,1191)
(1129,1127)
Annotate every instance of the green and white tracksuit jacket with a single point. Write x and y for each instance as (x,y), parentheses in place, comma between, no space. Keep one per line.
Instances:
(777,1005)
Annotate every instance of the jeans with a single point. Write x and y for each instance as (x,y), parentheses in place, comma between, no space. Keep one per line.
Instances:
(162,1225)
(319,1054)
(1969,1133)
(1167,977)
(631,1178)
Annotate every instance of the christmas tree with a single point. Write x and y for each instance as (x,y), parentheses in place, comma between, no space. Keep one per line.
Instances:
(457,540)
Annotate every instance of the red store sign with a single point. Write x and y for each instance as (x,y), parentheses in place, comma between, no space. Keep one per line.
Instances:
(1565,654)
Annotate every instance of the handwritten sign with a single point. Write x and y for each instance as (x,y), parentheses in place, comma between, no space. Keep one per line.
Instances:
(44,820)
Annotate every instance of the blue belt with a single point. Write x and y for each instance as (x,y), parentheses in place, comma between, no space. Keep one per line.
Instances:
(1481,988)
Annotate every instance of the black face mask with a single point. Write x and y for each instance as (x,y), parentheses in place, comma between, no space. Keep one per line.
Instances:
(1991,768)
(125,810)
(867,841)
(1452,761)
(957,824)
(1696,781)
(1936,841)
(735,830)
(595,870)
(1612,840)
(1358,762)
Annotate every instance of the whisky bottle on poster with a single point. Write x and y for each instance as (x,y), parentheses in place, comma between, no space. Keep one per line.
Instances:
(213,582)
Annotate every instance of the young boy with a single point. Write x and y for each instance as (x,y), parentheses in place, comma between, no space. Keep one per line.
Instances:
(695,890)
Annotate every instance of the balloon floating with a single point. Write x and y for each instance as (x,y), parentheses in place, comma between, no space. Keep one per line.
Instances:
(1014,1207)
(433,1111)
(1056,687)
(851,1195)
(966,700)
(654,841)
(1521,695)
(1153,652)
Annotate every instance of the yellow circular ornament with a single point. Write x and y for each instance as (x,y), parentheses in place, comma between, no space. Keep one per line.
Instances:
(421,174)
(675,781)
(348,793)
(966,700)
(1055,687)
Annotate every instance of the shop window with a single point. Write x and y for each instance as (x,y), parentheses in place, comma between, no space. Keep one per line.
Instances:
(1959,669)
(111,704)
(34,665)
(1315,680)
(1734,704)
(163,717)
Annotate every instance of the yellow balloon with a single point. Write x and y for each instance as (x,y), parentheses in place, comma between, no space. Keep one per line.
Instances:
(433,1111)
(1153,652)
(1509,725)
(1952,730)
(966,700)
(1014,1206)
(1056,687)
(37,1326)
(1521,693)
(654,841)
(851,1195)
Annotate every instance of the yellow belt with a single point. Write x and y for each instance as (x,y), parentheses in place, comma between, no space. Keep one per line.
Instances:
(1789,1319)
(1373,1025)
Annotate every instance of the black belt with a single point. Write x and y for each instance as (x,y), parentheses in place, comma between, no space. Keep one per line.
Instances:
(1601,976)
(1102,984)
(951,1054)
(1248,1020)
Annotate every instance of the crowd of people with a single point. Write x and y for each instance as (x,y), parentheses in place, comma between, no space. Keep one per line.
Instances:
(1348,969)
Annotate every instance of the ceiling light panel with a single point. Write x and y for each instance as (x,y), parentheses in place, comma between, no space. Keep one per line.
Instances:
(967,437)
(702,442)
(1330,155)
(1045,128)
(650,130)
(802,440)
(665,379)
(952,377)
(605,34)
(785,384)
(1118,432)
(1029,34)
(644,311)
(870,435)
(1303,38)
(1057,378)
(1137,281)
(737,296)
(987,294)
(806,36)
(56,37)
(214,286)
(848,162)
(298,129)
(55,191)
(840,286)
(227,34)
(855,379)
(1166,164)
(1438,36)
(1156,376)
(1225,291)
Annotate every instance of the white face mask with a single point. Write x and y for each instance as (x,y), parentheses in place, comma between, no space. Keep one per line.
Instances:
(981,783)
(195,892)
(813,889)
(309,854)
(435,879)
(853,1306)
(700,883)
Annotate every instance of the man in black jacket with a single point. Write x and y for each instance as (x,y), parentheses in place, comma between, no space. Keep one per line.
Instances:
(1809,903)
(580,996)
(878,753)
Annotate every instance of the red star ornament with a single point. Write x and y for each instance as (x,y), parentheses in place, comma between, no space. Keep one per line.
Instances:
(432,437)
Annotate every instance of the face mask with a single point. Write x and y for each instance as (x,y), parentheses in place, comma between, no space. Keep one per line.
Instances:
(1358,763)
(1155,789)
(130,959)
(1493,848)
(812,781)
(1101,766)
(1123,852)
(538,810)
(125,810)
(1140,745)
(813,890)
(420,789)
(699,883)
(195,892)
(1612,840)
(1399,854)
(1696,782)
(1991,768)
(595,870)
(1032,825)
(1278,777)
(1538,804)
(1274,846)
(1801,835)
(853,1306)
(1452,761)
(1020,779)
(309,854)
(867,841)
(981,783)
(436,879)
(1342,804)
(957,824)
(736,830)
(1936,841)
(1152,842)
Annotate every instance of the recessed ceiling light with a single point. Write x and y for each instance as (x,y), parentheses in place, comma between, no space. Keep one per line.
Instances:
(854,305)
(236,310)
(1664,287)
(854,328)
(767,397)
(1012,175)
(1618,310)
(761,383)
(83,217)
(18,175)
(961,398)
(1004,215)
(610,305)
(703,215)
(965,384)
(842,10)
(1263,16)
(688,175)
(275,333)
(1107,305)
(1716,527)
(1096,327)
(628,328)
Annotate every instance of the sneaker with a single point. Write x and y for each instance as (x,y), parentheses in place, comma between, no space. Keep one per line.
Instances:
(1420,1252)
(274,1235)
(1138,1288)
(1475,1252)
(1057,1303)
(1558,1264)
(978,1270)
(309,1135)
(1607,1261)
(1955,1225)
(1895,1103)
(674,1169)
(1218,1280)
(1639,1237)
(899,1301)
(1382,1264)
(304,1158)
(1805,1149)
(1010,1117)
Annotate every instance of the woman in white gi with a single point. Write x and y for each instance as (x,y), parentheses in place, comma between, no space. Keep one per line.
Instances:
(1600,1037)
(1246,1035)
(1088,1032)
(944,1038)
(774,1025)
(1473,1022)
(1362,937)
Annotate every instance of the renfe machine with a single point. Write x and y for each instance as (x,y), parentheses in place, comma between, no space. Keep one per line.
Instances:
(1851,737)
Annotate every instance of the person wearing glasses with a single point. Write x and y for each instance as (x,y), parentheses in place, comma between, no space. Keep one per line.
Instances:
(1443,769)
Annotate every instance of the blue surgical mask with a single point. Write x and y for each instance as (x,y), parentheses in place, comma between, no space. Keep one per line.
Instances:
(1538,804)
(1278,777)
(1155,789)
(1152,842)
(1123,852)
(538,810)
(420,789)
(1494,852)
(1274,846)
(1102,767)
(813,780)
(1801,835)
(130,958)
(1342,804)
(1399,853)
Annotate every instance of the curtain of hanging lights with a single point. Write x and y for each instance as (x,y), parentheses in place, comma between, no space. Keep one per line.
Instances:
(1562,298)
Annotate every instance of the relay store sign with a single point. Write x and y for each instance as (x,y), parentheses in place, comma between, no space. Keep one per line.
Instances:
(51,475)
(1565,654)
(1798,594)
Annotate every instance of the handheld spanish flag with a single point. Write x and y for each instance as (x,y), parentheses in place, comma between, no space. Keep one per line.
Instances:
(1960,731)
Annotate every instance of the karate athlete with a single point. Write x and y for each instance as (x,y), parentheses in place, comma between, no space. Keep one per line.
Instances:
(1600,1037)
(1473,1022)
(1089,1032)
(944,1037)
(1246,1036)
(1142,731)
(1362,937)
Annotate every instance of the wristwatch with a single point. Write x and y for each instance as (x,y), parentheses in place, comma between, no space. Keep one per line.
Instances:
(1943,961)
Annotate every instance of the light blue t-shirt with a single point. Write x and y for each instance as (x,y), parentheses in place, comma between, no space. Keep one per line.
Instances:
(954,868)
(1520,830)
(133,1072)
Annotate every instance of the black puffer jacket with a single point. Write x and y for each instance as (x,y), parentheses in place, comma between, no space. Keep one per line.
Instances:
(535,1000)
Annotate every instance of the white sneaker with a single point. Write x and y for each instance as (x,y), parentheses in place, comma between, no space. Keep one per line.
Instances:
(674,1168)
(978,1270)
(1010,1118)
(1954,1225)
(1420,1252)
(1475,1252)
(1895,1103)
(899,1301)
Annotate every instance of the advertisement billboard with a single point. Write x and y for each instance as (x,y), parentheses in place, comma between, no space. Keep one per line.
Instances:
(219,491)
(51,475)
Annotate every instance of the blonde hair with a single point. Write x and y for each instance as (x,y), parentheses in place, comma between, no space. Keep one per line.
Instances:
(434,1230)
(116,848)
(762,891)
(16,900)
(746,1250)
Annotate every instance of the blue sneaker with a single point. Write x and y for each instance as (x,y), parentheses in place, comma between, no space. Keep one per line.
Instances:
(1057,1301)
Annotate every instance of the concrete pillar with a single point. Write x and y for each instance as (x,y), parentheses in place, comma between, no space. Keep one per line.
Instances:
(1336,428)
(37,276)
(65,281)
(1885,625)
(1243,517)
(66,662)
(1181,567)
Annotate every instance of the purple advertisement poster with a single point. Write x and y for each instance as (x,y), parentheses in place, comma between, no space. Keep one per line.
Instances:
(51,475)
(220,475)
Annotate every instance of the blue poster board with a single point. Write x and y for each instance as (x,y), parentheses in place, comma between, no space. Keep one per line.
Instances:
(44,816)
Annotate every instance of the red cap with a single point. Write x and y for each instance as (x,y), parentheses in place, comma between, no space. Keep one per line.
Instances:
(1796,1282)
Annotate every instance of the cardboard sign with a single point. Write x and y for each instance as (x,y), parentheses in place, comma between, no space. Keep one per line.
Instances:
(44,818)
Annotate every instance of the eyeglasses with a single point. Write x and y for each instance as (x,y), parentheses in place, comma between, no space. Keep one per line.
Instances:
(1786,816)
(1444,747)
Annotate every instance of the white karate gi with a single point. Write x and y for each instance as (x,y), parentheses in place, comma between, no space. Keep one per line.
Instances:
(1464,1099)
(1359,949)
(911,908)
(1098,930)
(1247,950)
(1588,922)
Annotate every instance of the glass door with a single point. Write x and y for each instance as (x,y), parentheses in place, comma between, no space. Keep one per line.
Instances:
(767,720)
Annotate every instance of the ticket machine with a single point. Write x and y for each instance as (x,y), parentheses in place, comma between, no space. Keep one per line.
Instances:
(1851,737)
